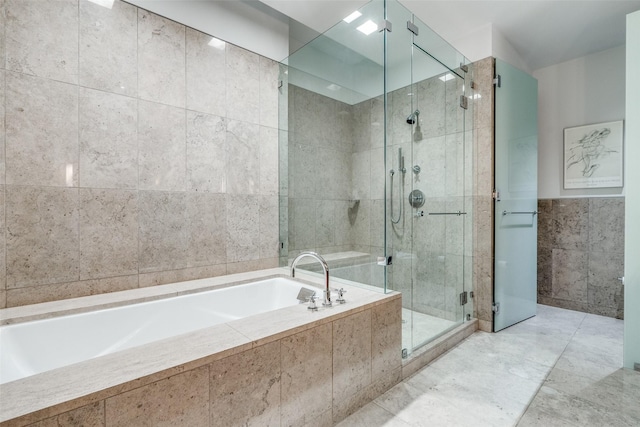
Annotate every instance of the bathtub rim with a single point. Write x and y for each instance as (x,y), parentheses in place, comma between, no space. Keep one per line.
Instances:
(60,390)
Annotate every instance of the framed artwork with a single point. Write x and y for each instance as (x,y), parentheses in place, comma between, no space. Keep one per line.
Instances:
(593,156)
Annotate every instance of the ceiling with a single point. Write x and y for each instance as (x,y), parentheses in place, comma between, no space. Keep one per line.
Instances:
(542,32)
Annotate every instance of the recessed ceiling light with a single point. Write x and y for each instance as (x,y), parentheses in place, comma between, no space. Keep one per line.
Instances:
(368,27)
(217,43)
(355,15)
(446,77)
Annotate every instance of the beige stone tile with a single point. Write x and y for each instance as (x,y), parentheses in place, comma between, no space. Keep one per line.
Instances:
(41,131)
(206,73)
(243,227)
(306,362)
(161,147)
(269,81)
(173,276)
(243,157)
(3,24)
(268,161)
(206,161)
(161,59)
(386,338)
(206,222)
(162,231)
(2,119)
(42,238)
(42,38)
(570,275)
(108,152)
(606,225)
(269,233)
(245,388)
(108,228)
(87,416)
(258,264)
(3,248)
(108,47)
(351,355)
(179,400)
(59,291)
(242,84)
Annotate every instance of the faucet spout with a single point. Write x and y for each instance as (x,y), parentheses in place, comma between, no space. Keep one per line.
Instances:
(325,269)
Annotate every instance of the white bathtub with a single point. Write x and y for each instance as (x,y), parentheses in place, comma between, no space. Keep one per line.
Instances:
(38,346)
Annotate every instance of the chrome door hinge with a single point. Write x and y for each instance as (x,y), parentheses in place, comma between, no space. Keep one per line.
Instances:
(386,25)
(385,260)
(496,195)
(463,102)
(498,81)
(464,67)
(496,307)
(405,353)
(413,28)
(463,298)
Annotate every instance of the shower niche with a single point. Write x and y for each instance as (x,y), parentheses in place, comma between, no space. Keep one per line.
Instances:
(376,164)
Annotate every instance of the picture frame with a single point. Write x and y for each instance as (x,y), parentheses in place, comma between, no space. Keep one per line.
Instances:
(594,156)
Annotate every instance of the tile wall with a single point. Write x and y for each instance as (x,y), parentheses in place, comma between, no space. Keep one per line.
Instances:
(581,254)
(136,153)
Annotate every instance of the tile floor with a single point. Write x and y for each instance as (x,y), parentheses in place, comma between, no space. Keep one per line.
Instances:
(560,368)
(417,327)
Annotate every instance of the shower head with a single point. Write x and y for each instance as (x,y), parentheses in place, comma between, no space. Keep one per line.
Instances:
(413,117)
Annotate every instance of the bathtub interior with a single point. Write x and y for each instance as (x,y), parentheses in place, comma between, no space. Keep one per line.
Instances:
(33,347)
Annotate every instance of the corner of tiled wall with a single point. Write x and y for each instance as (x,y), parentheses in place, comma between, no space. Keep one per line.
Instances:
(136,152)
(483,190)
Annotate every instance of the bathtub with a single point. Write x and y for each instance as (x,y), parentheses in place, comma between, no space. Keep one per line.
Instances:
(242,335)
(33,347)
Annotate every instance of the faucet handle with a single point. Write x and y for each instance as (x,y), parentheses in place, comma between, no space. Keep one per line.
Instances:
(312,303)
(341,293)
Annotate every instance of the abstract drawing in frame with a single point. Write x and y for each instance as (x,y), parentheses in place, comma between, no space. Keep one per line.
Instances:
(593,156)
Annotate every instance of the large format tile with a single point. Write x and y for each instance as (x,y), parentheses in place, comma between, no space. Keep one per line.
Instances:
(42,235)
(606,225)
(109,47)
(182,399)
(206,73)
(3,24)
(206,221)
(206,161)
(2,121)
(243,157)
(268,161)
(243,227)
(570,275)
(245,388)
(108,228)
(108,140)
(306,375)
(242,84)
(41,131)
(163,234)
(571,224)
(161,59)
(91,415)
(269,233)
(42,38)
(269,83)
(351,355)
(161,147)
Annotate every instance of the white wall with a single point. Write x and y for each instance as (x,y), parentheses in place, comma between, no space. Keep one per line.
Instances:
(586,90)
(632,202)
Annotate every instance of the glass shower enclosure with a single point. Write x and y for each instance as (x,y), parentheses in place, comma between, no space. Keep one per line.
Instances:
(376,163)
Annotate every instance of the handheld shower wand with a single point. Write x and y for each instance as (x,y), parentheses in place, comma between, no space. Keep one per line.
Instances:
(401,169)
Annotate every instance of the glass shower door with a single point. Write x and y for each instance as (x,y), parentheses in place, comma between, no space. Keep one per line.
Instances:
(437,210)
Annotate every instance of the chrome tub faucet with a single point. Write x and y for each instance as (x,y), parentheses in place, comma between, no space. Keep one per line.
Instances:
(325,269)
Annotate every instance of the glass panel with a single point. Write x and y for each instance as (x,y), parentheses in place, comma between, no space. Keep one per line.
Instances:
(332,156)
(516,179)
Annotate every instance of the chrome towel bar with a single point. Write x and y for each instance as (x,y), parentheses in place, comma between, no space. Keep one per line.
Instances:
(519,213)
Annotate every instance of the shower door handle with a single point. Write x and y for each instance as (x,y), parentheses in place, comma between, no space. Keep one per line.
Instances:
(384,260)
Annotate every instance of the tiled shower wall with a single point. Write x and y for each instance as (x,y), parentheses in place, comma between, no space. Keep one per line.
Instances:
(581,254)
(136,153)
